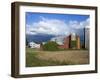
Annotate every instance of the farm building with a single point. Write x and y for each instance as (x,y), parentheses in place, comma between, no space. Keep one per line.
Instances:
(33,45)
(66,42)
(72,41)
(87,35)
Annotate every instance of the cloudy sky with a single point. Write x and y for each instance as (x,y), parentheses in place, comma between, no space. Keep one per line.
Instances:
(54,24)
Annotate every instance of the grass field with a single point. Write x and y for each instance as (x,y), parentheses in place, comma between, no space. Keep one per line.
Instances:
(53,58)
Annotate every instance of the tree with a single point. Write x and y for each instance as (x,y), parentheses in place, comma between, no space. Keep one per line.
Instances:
(50,46)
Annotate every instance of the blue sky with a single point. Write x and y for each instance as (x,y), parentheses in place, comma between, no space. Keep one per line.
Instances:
(34,17)
(55,24)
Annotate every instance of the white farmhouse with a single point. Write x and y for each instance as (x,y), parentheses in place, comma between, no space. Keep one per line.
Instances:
(34,45)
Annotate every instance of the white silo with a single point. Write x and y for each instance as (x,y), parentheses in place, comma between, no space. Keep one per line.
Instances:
(87,37)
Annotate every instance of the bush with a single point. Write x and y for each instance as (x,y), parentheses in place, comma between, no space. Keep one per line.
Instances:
(50,46)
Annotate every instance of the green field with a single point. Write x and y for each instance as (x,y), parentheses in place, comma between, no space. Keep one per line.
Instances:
(52,58)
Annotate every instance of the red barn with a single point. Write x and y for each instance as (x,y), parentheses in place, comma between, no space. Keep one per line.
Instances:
(71,41)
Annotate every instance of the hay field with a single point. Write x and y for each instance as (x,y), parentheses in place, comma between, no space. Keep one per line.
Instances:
(53,58)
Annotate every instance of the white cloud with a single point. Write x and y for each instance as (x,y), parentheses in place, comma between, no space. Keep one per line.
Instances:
(79,25)
(54,26)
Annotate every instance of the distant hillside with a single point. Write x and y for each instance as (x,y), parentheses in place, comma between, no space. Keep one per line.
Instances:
(39,38)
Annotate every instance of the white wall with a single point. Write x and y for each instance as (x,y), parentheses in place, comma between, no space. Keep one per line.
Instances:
(5,40)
